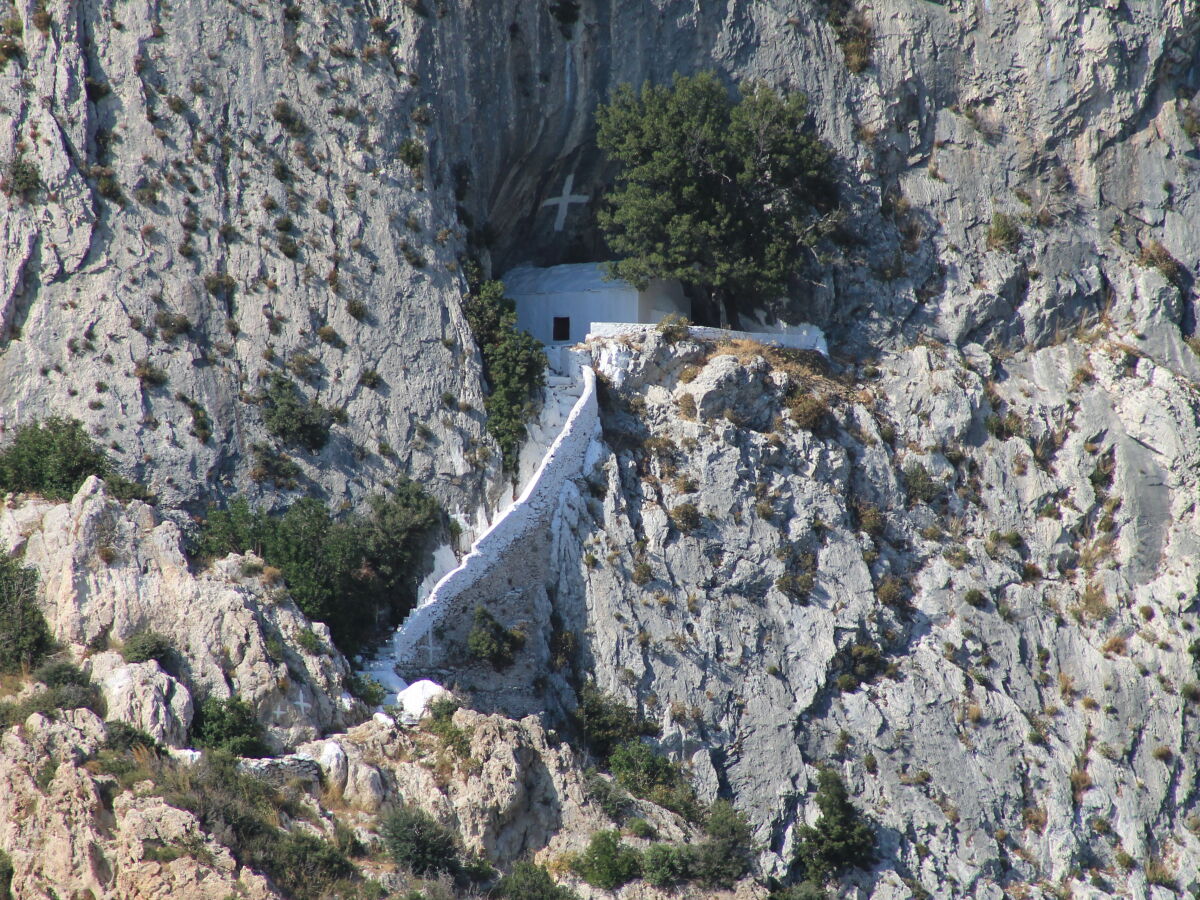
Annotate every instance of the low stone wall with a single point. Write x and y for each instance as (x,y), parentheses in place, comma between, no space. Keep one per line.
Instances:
(800,337)
(457,592)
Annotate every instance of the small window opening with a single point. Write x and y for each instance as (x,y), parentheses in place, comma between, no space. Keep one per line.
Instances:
(562,328)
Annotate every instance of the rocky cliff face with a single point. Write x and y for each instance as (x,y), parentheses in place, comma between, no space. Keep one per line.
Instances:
(965,576)
(970,587)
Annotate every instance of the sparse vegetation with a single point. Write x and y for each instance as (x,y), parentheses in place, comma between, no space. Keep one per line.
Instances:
(357,574)
(514,364)
(1004,233)
(1155,255)
(491,641)
(53,458)
(292,418)
(145,645)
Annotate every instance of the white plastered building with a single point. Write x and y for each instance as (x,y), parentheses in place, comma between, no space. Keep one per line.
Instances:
(558,305)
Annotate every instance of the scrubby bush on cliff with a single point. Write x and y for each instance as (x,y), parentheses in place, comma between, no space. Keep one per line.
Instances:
(358,574)
(606,722)
(246,810)
(24,635)
(54,457)
(644,773)
(724,194)
(145,645)
(840,840)
(528,881)
(229,726)
(292,418)
(514,365)
(607,863)
(419,843)
(491,641)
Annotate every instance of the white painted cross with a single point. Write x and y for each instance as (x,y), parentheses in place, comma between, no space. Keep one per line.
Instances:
(564,201)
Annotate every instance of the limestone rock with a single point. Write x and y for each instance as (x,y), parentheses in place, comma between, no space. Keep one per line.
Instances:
(108,571)
(143,695)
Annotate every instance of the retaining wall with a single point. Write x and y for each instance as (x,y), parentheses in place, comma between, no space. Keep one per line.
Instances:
(457,592)
(800,337)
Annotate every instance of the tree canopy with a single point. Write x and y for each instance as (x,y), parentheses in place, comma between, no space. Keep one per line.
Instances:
(720,193)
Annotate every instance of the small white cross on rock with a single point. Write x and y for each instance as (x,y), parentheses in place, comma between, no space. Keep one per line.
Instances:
(564,201)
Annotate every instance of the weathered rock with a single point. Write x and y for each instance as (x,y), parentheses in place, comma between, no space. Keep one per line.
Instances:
(108,571)
(143,695)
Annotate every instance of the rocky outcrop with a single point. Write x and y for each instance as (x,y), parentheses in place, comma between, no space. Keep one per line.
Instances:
(970,590)
(73,833)
(108,571)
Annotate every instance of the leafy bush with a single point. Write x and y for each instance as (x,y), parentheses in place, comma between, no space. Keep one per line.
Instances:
(6,875)
(491,641)
(357,575)
(685,517)
(52,458)
(664,865)
(66,688)
(642,772)
(840,840)
(514,364)
(724,856)
(24,635)
(607,863)
(528,881)
(290,417)
(606,722)
(611,799)
(22,178)
(419,842)
(61,673)
(143,646)
(229,726)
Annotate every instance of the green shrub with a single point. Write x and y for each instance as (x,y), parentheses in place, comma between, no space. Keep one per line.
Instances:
(22,178)
(665,865)
(796,587)
(123,736)
(514,365)
(70,693)
(143,646)
(441,723)
(840,840)
(921,485)
(6,875)
(612,800)
(607,863)
(418,842)
(685,517)
(606,722)
(229,726)
(412,153)
(52,458)
(642,829)
(644,773)
(61,674)
(528,881)
(1004,233)
(290,417)
(491,641)
(366,688)
(358,575)
(24,636)
(724,856)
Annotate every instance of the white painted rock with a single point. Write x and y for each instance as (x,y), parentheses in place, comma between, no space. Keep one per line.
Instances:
(415,699)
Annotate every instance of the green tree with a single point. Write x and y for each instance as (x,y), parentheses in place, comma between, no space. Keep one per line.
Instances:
(491,641)
(52,458)
(722,194)
(514,364)
(24,635)
(840,840)
(607,863)
(358,574)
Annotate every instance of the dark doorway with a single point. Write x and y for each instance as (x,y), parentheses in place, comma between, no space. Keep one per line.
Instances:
(562,328)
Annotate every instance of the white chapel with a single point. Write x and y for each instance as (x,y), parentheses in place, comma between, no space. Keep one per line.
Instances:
(558,305)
